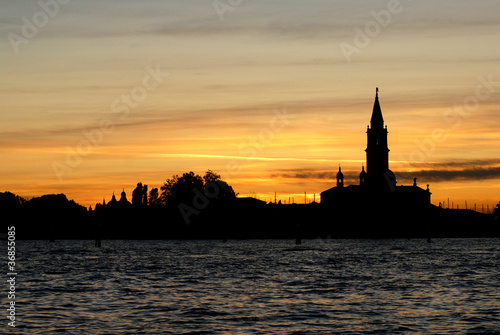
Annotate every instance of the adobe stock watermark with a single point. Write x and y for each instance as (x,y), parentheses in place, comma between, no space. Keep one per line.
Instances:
(363,37)
(120,107)
(225,6)
(254,144)
(31,26)
(201,199)
(248,148)
(454,117)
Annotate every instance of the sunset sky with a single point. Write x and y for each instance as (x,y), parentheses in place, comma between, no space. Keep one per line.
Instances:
(273,95)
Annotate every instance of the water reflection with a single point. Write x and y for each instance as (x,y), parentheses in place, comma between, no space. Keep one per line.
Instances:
(260,287)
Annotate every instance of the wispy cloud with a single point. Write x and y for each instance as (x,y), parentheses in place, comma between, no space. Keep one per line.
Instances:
(460,163)
(321,173)
(459,170)
(269,159)
(464,174)
(478,169)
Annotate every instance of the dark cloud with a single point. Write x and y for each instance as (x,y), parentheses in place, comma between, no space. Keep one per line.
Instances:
(438,175)
(458,164)
(476,163)
(350,177)
(306,175)
(479,169)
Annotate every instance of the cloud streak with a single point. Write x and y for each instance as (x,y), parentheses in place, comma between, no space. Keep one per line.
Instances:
(476,173)
(324,173)
(464,170)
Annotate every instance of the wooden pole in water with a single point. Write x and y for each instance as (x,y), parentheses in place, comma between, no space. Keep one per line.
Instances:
(98,236)
(298,239)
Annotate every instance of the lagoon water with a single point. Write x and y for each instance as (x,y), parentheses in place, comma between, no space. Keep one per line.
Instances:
(257,287)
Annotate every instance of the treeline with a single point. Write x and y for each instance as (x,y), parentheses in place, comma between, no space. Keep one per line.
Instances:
(174,210)
(42,217)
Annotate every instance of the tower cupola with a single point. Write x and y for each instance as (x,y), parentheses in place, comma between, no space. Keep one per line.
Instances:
(362,176)
(340,178)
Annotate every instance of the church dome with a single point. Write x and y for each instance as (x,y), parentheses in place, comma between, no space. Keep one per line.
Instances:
(123,197)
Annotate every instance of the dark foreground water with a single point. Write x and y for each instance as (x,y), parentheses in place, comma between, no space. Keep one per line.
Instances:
(257,287)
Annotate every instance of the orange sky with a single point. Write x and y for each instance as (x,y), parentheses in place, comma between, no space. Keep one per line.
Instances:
(102,95)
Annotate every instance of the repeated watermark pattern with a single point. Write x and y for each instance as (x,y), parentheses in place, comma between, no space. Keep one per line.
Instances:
(32,26)
(120,108)
(454,118)
(201,199)
(254,144)
(225,6)
(363,37)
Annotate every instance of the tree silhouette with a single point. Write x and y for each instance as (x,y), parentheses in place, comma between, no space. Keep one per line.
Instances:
(210,176)
(140,195)
(145,195)
(11,207)
(137,195)
(154,197)
(213,184)
(54,204)
(178,190)
(10,202)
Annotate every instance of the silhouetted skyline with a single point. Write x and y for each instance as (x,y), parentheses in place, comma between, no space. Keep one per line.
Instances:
(207,207)
(161,88)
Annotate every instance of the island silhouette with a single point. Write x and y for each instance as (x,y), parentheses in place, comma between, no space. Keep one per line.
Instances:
(191,206)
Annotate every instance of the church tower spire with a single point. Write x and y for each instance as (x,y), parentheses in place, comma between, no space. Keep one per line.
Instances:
(377,121)
(377,151)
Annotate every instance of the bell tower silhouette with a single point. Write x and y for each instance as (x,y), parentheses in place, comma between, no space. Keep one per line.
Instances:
(377,151)
(340,178)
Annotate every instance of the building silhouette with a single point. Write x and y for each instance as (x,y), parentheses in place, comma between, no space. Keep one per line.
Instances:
(113,203)
(377,185)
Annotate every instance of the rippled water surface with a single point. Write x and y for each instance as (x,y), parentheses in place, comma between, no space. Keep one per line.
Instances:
(258,287)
